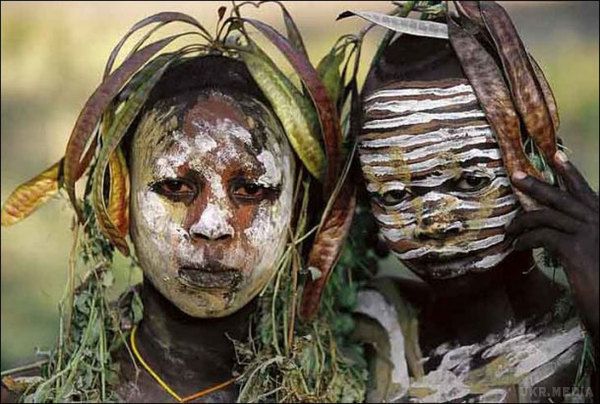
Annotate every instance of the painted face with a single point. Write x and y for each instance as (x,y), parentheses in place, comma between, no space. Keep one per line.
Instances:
(438,187)
(212,183)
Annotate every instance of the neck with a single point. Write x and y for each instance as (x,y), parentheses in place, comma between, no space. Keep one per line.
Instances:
(471,307)
(186,352)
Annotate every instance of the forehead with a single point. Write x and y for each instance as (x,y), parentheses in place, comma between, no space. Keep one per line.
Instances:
(207,122)
(424,129)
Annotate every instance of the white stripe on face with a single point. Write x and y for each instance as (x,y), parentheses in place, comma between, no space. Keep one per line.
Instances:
(421,117)
(408,92)
(431,150)
(446,134)
(409,220)
(451,249)
(403,106)
(443,161)
(436,179)
(444,212)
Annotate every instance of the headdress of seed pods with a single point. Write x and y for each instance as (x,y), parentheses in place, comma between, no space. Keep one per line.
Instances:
(311,115)
(509,84)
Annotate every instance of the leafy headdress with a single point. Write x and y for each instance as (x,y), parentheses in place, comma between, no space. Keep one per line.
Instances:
(286,358)
(510,86)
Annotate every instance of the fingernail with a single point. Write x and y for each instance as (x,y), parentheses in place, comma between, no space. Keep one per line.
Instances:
(561,157)
(519,175)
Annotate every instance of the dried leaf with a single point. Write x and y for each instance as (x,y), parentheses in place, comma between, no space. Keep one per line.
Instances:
(293,33)
(112,140)
(118,203)
(410,26)
(548,94)
(94,108)
(29,196)
(221,12)
(470,10)
(87,158)
(295,112)
(527,95)
(326,110)
(495,99)
(163,18)
(327,248)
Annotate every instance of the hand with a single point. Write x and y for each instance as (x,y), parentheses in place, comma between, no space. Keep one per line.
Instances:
(566,226)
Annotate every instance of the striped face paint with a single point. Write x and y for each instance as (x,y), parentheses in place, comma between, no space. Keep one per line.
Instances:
(212,184)
(438,187)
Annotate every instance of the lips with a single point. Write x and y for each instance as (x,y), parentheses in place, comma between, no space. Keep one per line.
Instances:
(209,276)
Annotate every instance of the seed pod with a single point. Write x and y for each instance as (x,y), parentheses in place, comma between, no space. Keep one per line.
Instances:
(495,99)
(111,141)
(527,95)
(329,73)
(118,202)
(93,110)
(548,94)
(325,108)
(29,196)
(327,248)
(296,113)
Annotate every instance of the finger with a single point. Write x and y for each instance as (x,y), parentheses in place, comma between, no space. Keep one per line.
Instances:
(550,196)
(549,239)
(545,217)
(575,181)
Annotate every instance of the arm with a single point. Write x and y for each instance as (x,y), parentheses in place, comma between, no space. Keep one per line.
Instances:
(567,226)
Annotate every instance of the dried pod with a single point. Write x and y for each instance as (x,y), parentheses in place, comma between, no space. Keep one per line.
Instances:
(526,93)
(548,94)
(326,110)
(111,141)
(495,99)
(29,196)
(94,108)
(295,112)
(118,200)
(327,248)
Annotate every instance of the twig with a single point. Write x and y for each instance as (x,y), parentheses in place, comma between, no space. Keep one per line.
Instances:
(24,367)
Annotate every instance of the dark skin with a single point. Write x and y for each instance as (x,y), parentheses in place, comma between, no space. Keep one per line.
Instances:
(567,226)
(468,308)
(189,354)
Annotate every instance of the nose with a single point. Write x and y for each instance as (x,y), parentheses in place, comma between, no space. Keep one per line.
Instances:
(212,225)
(430,229)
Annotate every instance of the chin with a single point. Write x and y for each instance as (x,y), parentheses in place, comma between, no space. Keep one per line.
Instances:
(470,279)
(436,268)
(449,268)
(210,302)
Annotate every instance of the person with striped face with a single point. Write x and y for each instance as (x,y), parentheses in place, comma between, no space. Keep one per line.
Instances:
(446,208)
(439,190)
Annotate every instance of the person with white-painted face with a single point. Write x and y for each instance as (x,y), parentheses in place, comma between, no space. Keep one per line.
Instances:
(211,199)
(491,326)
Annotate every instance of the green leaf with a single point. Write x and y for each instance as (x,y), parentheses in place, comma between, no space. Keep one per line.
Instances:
(329,73)
(296,113)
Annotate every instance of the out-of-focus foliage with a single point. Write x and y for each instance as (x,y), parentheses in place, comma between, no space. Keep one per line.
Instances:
(53,56)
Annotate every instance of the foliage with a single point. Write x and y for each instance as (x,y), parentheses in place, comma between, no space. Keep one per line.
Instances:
(81,366)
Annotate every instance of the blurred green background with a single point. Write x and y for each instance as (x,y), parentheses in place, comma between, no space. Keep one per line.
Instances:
(53,55)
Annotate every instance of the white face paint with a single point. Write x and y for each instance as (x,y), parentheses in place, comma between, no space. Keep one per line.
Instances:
(433,167)
(212,185)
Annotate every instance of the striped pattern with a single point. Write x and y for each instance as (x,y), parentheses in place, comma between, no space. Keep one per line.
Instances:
(424,139)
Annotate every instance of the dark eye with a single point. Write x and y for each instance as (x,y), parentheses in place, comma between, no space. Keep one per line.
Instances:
(394,197)
(246,191)
(470,182)
(175,189)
